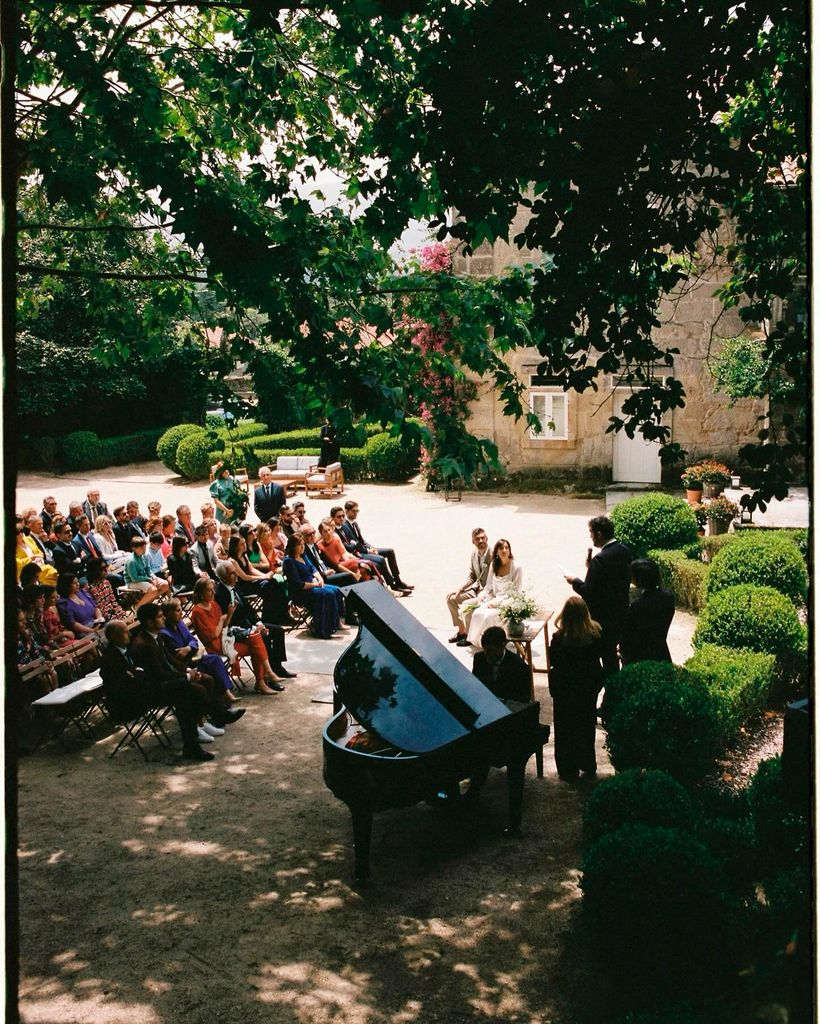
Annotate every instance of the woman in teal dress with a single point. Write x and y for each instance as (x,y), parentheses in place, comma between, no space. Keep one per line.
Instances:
(230,500)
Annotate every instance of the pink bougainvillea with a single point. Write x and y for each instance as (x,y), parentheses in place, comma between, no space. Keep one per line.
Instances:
(435,256)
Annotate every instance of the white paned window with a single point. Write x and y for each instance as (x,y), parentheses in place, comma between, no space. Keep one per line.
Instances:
(551,409)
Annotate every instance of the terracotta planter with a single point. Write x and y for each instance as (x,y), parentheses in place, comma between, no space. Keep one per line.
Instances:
(713,491)
(717,526)
(693,497)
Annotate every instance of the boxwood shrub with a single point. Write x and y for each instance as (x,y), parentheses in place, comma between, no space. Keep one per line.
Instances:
(673,725)
(636,796)
(740,681)
(169,442)
(84,450)
(781,818)
(81,450)
(763,558)
(653,897)
(634,678)
(244,429)
(759,618)
(654,521)
(391,459)
(684,576)
(195,455)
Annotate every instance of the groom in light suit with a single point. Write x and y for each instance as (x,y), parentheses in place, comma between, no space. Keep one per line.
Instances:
(476,579)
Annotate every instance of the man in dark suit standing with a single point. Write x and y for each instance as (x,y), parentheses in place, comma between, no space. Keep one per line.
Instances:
(501,670)
(130,690)
(648,619)
(606,587)
(268,497)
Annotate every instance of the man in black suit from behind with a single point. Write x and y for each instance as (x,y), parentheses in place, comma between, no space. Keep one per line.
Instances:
(268,497)
(606,587)
(130,690)
(124,530)
(648,619)
(501,670)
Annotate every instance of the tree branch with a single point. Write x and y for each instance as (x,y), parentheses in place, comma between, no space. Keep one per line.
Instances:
(110,275)
(32,226)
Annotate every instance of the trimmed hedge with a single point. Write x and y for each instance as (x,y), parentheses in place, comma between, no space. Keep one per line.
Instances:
(654,521)
(710,546)
(653,897)
(634,678)
(671,723)
(763,558)
(195,455)
(392,458)
(758,618)
(636,796)
(740,681)
(169,442)
(244,429)
(781,819)
(684,576)
(84,450)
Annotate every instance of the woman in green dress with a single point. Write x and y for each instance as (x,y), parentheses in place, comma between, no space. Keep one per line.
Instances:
(230,500)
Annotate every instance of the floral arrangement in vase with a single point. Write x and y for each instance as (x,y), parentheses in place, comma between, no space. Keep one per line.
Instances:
(719,513)
(514,607)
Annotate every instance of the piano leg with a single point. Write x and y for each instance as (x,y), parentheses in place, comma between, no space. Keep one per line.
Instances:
(362,829)
(515,794)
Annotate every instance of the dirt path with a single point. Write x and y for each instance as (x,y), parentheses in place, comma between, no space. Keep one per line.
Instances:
(173,893)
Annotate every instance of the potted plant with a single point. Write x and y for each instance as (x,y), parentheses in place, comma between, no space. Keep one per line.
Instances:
(715,477)
(693,485)
(700,514)
(514,608)
(719,513)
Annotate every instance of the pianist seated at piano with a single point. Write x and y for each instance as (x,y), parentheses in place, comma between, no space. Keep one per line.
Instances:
(480,613)
(502,671)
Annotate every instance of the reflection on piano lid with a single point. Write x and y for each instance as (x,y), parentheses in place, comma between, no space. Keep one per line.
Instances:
(401,683)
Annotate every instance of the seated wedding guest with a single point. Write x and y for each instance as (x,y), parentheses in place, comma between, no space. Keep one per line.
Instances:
(223,541)
(313,554)
(212,526)
(576,677)
(185,524)
(168,530)
(57,521)
(245,617)
(76,607)
(480,613)
(132,510)
(30,650)
(32,605)
(299,515)
(338,557)
(93,507)
(307,588)
(130,691)
(181,642)
(29,577)
(181,567)
(28,552)
(107,543)
(56,632)
(383,558)
(502,670)
(154,510)
(473,584)
(48,513)
(39,540)
(66,559)
(271,589)
(208,512)
(203,553)
(75,510)
(286,524)
(156,559)
(248,532)
(267,549)
(87,548)
(138,575)
(124,531)
(153,524)
(101,590)
(648,619)
(278,540)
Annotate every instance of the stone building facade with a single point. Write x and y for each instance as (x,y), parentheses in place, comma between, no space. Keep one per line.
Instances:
(574,444)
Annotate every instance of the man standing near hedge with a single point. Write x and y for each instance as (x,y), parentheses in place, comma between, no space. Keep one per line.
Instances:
(268,497)
(606,587)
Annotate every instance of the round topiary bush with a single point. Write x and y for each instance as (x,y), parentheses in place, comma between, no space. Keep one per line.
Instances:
(673,725)
(634,797)
(169,442)
(762,558)
(633,678)
(653,896)
(780,815)
(760,618)
(392,459)
(654,521)
(81,450)
(194,455)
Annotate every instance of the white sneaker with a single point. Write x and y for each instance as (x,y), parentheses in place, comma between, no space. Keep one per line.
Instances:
(213,730)
(202,736)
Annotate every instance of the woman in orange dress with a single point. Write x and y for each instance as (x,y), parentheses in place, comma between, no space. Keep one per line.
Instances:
(338,557)
(208,622)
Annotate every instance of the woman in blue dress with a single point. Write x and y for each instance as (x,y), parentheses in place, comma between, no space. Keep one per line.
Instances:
(307,588)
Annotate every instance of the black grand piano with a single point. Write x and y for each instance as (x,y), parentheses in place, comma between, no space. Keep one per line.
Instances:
(410,721)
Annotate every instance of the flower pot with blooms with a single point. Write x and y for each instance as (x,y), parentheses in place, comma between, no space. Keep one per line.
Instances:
(714,476)
(700,514)
(514,608)
(693,484)
(719,513)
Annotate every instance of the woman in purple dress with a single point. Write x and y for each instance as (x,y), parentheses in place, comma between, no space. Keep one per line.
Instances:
(77,609)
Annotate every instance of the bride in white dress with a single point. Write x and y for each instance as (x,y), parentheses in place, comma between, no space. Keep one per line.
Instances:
(503,577)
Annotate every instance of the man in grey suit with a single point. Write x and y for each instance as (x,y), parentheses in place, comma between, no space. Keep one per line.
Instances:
(93,507)
(476,579)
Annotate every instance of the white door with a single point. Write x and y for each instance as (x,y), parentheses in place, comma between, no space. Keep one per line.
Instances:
(634,460)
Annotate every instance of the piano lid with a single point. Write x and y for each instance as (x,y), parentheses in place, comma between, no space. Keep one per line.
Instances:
(401,683)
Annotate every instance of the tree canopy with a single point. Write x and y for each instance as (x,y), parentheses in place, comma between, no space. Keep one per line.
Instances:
(630,131)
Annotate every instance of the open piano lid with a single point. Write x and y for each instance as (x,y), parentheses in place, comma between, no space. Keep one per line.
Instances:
(401,683)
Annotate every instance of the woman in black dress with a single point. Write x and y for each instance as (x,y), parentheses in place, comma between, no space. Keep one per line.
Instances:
(575,680)
(328,445)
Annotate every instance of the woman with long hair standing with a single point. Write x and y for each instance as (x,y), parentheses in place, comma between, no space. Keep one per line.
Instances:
(576,677)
